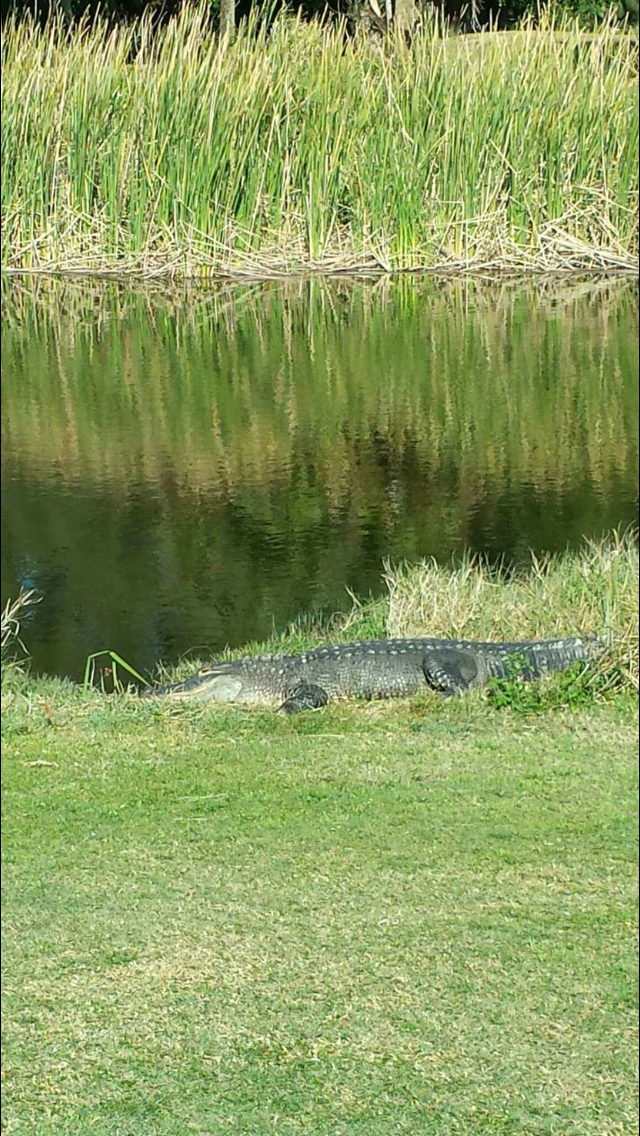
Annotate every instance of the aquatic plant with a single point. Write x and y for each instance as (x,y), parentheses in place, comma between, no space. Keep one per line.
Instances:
(292,149)
(10,621)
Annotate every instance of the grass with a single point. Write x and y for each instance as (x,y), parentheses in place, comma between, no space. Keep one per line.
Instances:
(592,592)
(414,916)
(295,150)
(11,645)
(395,918)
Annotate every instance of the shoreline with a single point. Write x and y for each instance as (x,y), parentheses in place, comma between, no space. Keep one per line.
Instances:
(486,270)
(591,592)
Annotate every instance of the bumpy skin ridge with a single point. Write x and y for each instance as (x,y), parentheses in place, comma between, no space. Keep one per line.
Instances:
(378,668)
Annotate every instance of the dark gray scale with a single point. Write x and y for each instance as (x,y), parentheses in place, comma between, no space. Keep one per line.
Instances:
(528,663)
(305,696)
(450,671)
(366,670)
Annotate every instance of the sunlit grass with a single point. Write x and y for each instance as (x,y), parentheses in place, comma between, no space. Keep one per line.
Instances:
(422,910)
(294,149)
(13,612)
(593,591)
(413,917)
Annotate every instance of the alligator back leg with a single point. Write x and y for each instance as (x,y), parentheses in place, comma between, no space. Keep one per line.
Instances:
(305,696)
(450,671)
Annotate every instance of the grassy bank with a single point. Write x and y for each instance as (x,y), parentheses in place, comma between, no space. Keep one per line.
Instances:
(590,592)
(295,150)
(399,917)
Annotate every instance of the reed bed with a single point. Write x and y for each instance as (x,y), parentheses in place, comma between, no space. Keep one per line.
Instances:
(294,149)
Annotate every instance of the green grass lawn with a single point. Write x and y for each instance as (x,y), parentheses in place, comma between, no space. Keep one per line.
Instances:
(377,919)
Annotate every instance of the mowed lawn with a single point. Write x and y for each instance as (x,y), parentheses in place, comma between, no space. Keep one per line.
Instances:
(412,918)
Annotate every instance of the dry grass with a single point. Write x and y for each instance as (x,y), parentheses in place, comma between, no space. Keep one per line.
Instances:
(593,592)
(12,615)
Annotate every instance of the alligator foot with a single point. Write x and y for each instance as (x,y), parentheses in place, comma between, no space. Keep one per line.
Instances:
(450,671)
(306,696)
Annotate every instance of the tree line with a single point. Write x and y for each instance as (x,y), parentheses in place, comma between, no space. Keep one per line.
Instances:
(376,15)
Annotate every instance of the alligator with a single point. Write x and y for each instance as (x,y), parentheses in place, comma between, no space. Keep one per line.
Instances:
(377,668)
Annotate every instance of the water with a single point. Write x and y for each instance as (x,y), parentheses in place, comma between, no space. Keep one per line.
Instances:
(182,470)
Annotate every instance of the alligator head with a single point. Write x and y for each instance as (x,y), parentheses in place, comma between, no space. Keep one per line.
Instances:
(211,684)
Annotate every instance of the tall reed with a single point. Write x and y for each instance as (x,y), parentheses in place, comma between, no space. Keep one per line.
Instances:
(293,148)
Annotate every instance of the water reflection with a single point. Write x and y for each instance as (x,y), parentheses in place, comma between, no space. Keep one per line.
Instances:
(185,470)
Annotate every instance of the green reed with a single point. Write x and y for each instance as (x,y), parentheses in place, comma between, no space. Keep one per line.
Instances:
(292,148)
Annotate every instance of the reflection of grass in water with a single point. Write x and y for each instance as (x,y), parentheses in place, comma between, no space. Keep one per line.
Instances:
(228,388)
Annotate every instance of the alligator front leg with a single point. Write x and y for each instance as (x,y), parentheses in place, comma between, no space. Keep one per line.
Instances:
(306,696)
(450,671)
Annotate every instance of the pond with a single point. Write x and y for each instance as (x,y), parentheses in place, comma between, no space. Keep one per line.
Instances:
(185,469)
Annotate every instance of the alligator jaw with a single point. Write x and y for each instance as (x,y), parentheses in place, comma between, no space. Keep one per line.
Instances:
(209,687)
